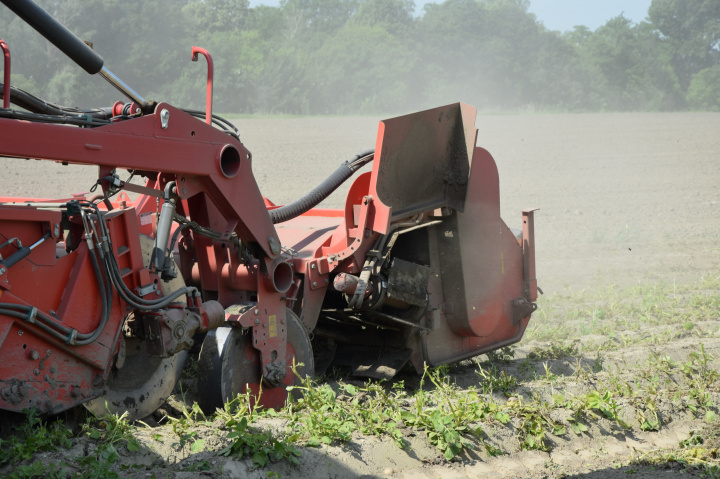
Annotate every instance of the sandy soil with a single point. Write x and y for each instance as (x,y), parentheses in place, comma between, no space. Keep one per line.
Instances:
(624,199)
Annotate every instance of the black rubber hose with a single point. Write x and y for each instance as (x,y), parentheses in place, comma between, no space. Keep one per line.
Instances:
(34,104)
(57,34)
(30,102)
(87,338)
(44,327)
(319,193)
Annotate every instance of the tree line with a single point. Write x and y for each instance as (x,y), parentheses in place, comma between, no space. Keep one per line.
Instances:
(376,56)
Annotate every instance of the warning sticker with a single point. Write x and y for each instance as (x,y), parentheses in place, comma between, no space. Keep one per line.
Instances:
(272,322)
(146,218)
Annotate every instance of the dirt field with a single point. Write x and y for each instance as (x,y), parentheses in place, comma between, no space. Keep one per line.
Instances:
(626,201)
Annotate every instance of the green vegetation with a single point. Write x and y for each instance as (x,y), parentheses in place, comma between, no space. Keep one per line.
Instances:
(613,318)
(570,387)
(377,56)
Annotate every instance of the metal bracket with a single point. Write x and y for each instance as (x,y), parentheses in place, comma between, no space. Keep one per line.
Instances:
(164,118)
(145,290)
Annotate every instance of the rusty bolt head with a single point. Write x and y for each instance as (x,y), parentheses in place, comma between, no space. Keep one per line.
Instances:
(257,311)
(312,266)
(48,352)
(34,355)
(36,372)
(2,270)
(314,284)
(257,321)
(274,245)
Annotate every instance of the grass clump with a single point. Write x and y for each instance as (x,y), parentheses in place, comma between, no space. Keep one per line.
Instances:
(32,437)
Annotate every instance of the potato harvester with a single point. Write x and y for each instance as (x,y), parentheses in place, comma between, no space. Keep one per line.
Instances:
(102,296)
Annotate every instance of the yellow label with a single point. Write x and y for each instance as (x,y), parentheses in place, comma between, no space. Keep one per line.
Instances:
(273,325)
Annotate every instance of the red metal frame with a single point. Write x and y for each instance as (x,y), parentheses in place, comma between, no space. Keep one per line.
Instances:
(208,101)
(481,281)
(6,74)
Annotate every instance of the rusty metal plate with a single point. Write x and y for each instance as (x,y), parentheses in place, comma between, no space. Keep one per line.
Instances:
(424,159)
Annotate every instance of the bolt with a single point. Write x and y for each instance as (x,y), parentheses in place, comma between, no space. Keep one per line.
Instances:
(312,266)
(2,270)
(274,245)
(314,284)
(48,352)
(52,312)
(282,321)
(56,230)
(257,311)
(47,377)
(257,321)
(37,371)
(164,118)
(264,326)
(34,355)
(326,281)
(20,333)
(184,190)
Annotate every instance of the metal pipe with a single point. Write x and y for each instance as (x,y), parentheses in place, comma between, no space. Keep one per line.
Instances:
(208,101)
(6,74)
(163,228)
(123,87)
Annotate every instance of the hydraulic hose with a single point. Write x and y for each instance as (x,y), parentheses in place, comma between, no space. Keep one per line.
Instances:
(323,190)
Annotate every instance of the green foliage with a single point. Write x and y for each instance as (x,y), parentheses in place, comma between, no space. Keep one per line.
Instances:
(375,56)
(112,430)
(704,90)
(559,350)
(259,444)
(183,427)
(32,437)
(493,380)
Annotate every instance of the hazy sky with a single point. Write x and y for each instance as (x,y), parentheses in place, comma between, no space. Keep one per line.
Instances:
(565,14)
(561,14)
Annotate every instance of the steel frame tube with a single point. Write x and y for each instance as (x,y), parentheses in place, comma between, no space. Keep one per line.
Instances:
(122,87)
(6,74)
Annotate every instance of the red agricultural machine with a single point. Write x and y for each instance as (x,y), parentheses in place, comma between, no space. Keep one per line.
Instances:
(101,297)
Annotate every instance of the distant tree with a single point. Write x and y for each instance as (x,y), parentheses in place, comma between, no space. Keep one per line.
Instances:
(209,16)
(393,16)
(692,30)
(704,90)
(633,65)
(320,16)
(361,69)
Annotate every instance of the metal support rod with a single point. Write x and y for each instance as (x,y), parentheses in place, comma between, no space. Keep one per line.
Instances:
(528,253)
(123,87)
(208,101)
(6,74)
(163,228)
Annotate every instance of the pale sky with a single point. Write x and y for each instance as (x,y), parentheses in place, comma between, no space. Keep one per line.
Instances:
(565,14)
(561,14)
